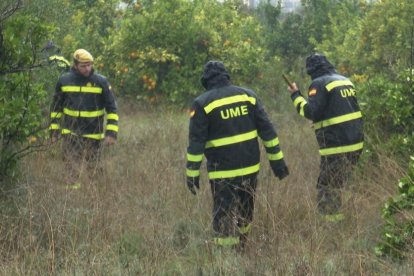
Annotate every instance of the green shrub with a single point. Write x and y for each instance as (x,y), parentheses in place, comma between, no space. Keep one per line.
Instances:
(398,233)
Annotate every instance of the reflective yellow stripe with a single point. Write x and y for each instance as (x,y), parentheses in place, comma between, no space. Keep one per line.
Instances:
(232,139)
(112,116)
(55,115)
(194,158)
(193,173)
(271,143)
(66,131)
(245,229)
(338,83)
(112,127)
(97,136)
(229,100)
(275,156)
(59,58)
(343,149)
(54,126)
(334,217)
(86,89)
(228,241)
(338,120)
(302,108)
(298,100)
(86,114)
(234,173)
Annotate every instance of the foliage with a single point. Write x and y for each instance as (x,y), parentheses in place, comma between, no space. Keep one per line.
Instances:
(386,36)
(91,22)
(379,93)
(398,232)
(160,47)
(21,98)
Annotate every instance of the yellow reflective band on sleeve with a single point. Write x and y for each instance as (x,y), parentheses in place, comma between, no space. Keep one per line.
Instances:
(343,149)
(227,241)
(55,115)
(54,126)
(85,114)
(112,127)
(338,120)
(55,57)
(66,131)
(298,100)
(234,173)
(338,83)
(271,143)
(302,108)
(232,139)
(192,173)
(112,116)
(86,89)
(245,229)
(275,156)
(98,136)
(194,158)
(229,100)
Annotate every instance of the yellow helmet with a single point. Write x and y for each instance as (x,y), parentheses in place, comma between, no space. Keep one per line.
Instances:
(81,55)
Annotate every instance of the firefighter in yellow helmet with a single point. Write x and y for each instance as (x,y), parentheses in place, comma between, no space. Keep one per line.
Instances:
(225,124)
(81,100)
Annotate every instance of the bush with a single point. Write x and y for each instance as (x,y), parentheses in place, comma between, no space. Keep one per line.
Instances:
(398,233)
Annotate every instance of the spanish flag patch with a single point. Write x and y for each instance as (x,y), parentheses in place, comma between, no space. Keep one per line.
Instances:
(312,92)
(192,112)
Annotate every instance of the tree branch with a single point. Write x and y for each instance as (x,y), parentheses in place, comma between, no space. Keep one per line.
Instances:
(10,9)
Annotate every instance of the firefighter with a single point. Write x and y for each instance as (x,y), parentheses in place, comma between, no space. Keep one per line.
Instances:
(225,122)
(53,56)
(333,108)
(81,99)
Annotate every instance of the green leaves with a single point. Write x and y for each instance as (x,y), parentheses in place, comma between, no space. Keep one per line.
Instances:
(160,48)
(398,230)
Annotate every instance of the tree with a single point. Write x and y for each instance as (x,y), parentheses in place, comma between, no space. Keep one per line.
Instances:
(160,47)
(21,98)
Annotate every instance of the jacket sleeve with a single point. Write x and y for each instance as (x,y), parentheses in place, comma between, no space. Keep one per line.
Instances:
(198,133)
(313,107)
(268,134)
(111,110)
(56,111)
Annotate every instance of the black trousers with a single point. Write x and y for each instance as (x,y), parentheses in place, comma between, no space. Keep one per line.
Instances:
(77,150)
(334,173)
(233,205)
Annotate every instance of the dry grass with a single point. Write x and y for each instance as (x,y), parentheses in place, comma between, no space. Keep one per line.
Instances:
(137,218)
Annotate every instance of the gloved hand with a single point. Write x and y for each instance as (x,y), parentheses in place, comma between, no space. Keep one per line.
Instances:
(281,172)
(193,183)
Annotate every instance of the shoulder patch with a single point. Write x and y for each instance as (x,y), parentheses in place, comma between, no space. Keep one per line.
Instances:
(312,92)
(192,112)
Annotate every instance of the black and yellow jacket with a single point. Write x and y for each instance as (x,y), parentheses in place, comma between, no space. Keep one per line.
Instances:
(79,107)
(224,126)
(332,106)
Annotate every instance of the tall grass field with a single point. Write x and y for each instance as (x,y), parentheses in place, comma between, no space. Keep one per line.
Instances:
(136,216)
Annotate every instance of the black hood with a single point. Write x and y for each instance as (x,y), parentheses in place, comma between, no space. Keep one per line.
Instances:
(215,75)
(318,65)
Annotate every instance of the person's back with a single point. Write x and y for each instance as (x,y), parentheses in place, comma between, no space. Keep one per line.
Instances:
(225,123)
(333,108)
(231,141)
(337,123)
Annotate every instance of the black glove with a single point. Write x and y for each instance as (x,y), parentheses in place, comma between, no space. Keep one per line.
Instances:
(281,172)
(193,183)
